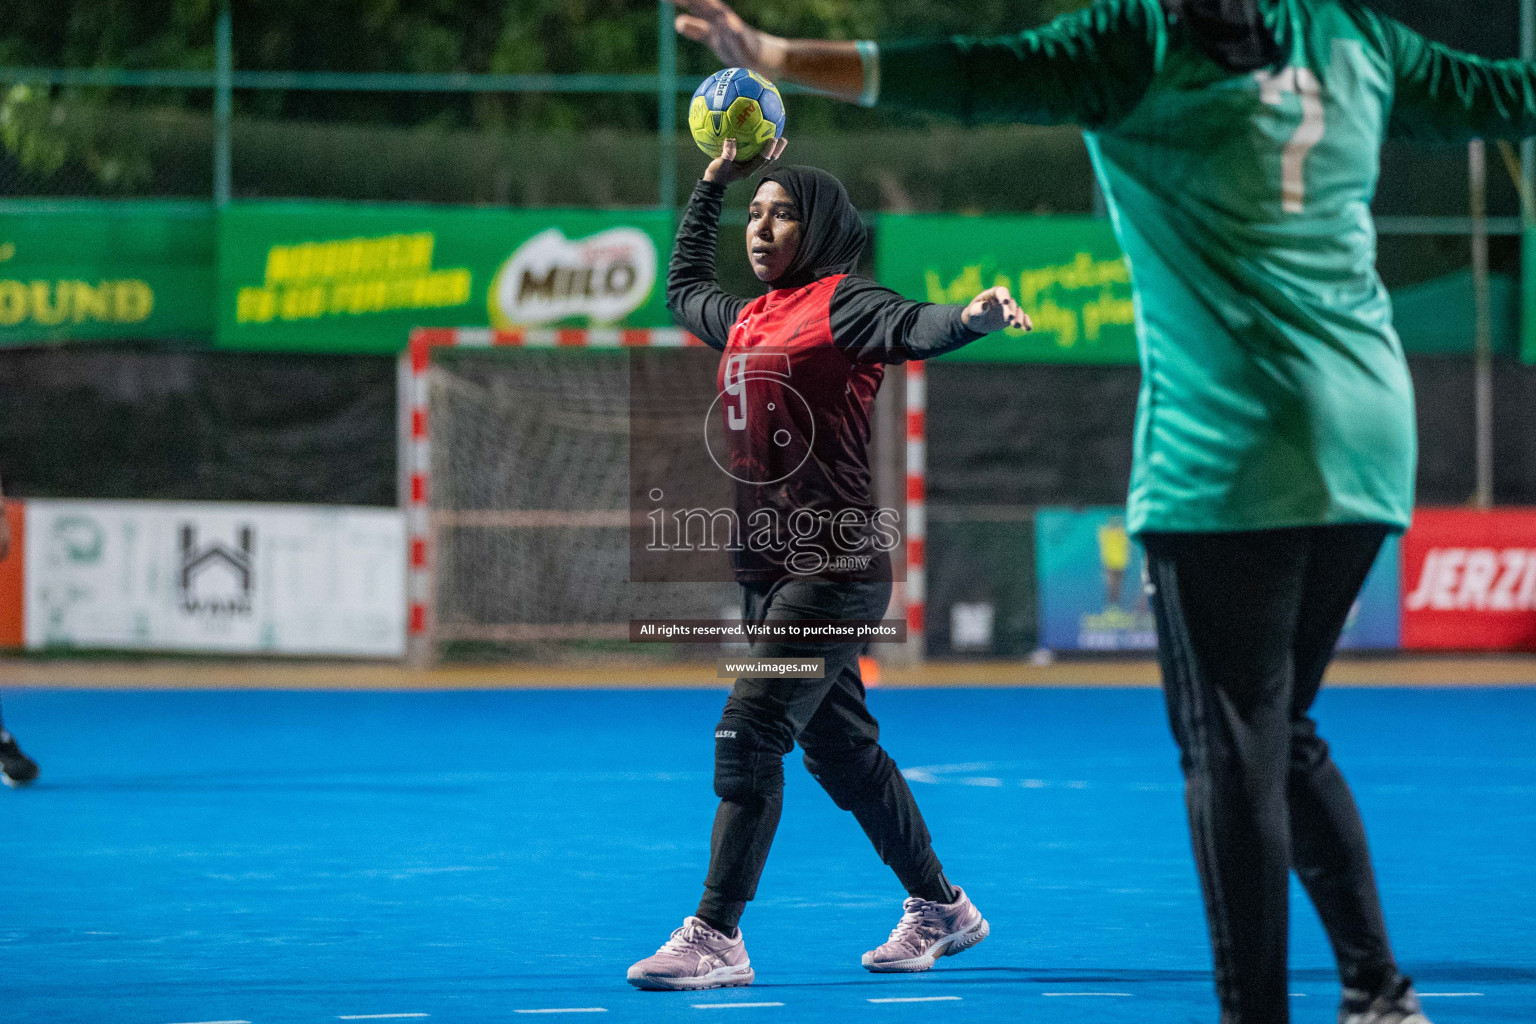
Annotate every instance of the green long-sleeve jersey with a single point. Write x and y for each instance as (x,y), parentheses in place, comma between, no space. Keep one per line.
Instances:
(1274,389)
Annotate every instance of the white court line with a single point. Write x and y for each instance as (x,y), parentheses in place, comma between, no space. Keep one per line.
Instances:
(569,1009)
(379,1016)
(1448,995)
(1121,994)
(917,999)
(731,1006)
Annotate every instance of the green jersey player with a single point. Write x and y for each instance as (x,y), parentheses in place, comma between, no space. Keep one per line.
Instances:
(1237,143)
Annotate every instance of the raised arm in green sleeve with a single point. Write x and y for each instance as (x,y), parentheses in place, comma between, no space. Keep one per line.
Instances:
(1451,96)
(1090,67)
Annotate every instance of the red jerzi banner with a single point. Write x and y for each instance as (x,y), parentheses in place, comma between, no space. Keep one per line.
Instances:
(1469,580)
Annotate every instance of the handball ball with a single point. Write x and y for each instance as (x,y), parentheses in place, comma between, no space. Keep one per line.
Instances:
(736,104)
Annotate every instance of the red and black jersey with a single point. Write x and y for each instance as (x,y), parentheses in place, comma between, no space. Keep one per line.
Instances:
(796,416)
(797,383)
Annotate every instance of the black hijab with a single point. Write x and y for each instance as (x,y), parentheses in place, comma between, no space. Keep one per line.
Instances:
(1233,33)
(832,237)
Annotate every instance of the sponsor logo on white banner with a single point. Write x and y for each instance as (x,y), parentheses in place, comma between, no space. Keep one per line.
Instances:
(216,579)
(206,576)
(603,277)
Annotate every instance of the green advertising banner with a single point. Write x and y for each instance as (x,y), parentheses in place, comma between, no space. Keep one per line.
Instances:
(1067,273)
(105,270)
(356,278)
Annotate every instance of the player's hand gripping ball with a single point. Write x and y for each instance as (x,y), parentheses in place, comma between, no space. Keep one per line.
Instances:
(736,104)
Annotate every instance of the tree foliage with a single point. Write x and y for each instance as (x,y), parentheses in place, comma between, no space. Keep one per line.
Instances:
(43,129)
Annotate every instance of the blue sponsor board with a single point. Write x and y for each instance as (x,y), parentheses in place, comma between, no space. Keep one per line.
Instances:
(1376,622)
(1089,577)
(1091,597)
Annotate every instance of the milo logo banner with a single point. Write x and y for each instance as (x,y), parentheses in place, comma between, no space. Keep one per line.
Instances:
(1067,273)
(357,278)
(602,279)
(1092,596)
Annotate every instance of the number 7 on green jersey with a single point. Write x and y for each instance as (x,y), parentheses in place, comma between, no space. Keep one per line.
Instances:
(1273,85)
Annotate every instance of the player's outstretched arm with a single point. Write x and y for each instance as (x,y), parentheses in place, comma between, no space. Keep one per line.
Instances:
(696,300)
(1090,67)
(873,324)
(1446,95)
(829,66)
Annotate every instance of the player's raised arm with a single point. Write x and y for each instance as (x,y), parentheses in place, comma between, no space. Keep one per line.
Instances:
(695,298)
(1090,67)
(1444,94)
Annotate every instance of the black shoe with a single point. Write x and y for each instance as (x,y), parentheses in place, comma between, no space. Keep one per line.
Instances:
(16,768)
(1397,1003)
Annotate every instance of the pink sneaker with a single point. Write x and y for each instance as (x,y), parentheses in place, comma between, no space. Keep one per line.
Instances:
(927,931)
(695,957)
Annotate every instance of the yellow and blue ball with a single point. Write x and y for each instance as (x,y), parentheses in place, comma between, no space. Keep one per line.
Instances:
(736,104)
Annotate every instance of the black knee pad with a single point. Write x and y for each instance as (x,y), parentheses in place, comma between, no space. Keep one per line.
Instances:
(746,768)
(852,777)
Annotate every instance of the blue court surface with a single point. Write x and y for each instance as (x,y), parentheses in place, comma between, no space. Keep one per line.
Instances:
(280,857)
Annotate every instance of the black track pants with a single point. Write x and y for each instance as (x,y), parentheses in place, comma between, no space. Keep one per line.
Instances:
(763,720)
(1246,624)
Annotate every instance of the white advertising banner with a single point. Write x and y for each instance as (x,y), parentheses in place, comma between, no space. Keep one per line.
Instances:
(215,576)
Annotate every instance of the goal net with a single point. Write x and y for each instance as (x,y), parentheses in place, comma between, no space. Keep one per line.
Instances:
(516,472)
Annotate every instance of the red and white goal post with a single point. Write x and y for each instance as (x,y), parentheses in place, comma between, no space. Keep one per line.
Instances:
(425,523)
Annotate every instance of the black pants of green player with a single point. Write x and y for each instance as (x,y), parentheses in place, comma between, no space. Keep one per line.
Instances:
(1246,624)
(763,720)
